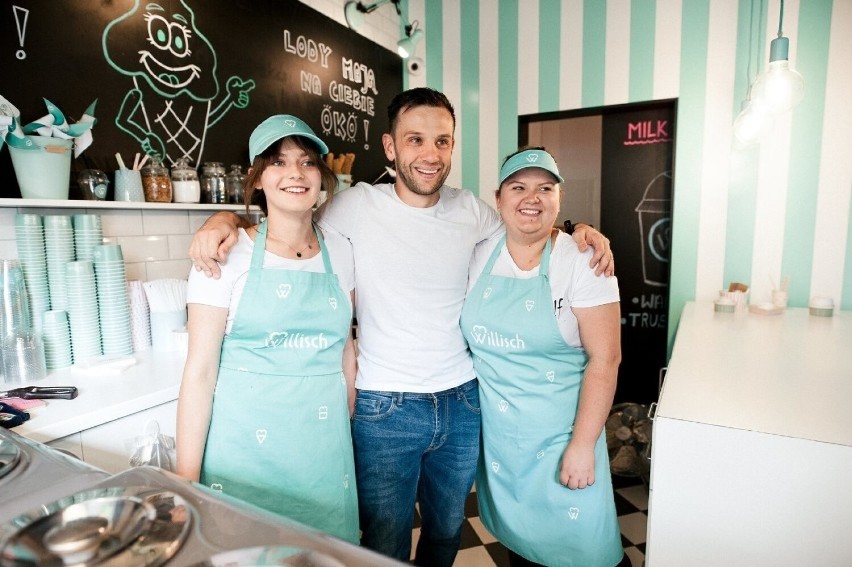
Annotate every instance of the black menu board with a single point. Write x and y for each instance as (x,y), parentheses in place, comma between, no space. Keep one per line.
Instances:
(636,205)
(194,77)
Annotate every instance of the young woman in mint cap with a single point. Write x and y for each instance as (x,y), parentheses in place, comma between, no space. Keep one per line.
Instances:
(544,334)
(263,413)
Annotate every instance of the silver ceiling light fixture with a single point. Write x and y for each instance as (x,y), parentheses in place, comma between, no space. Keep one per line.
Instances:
(355,11)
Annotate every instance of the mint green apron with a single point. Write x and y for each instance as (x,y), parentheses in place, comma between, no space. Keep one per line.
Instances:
(279,434)
(529,385)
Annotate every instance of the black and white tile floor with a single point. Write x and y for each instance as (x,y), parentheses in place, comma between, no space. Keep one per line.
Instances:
(480,549)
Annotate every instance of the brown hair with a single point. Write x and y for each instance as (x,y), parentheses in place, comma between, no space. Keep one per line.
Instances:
(256,196)
(412,98)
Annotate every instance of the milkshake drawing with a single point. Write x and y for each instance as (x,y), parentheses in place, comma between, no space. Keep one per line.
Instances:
(655,226)
(175,97)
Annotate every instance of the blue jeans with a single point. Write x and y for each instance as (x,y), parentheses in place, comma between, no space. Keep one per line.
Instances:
(422,446)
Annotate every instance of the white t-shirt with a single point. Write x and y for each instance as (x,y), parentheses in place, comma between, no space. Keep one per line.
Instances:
(572,282)
(228,289)
(411,268)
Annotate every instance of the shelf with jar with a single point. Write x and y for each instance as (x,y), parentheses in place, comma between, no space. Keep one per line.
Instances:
(86,204)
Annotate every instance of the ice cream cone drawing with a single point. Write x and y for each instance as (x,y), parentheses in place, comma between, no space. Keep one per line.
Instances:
(175,97)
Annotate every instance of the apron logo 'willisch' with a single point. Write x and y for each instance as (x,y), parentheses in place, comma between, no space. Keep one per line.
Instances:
(346,482)
(260,434)
(539,455)
(529,304)
(503,406)
(486,293)
(283,339)
(495,467)
(333,302)
(323,412)
(216,487)
(573,512)
(481,335)
(550,375)
(283,290)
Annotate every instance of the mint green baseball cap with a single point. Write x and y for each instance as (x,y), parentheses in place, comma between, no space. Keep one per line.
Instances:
(530,158)
(281,126)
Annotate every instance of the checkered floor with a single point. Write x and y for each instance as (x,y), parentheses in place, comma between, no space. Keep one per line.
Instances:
(480,549)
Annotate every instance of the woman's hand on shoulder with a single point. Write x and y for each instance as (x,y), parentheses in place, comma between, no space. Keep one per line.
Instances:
(602,261)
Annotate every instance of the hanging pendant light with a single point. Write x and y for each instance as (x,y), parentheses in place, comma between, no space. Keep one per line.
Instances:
(753,123)
(780,87)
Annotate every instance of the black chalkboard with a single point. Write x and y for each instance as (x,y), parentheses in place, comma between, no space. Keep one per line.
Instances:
(194,77)
(636,205)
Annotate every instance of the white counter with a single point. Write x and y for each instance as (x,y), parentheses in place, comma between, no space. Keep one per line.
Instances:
(152,381)
(752,442)
(788,374)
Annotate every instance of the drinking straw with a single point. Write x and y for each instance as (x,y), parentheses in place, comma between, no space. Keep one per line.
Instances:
(136,161)
(119,160)
(144,159)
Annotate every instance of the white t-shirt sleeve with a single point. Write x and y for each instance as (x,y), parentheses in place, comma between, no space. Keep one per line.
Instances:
(342,213)
(489,221)
(340,252)
(219,292)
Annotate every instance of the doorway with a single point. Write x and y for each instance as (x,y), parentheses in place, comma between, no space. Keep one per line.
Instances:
(617,163)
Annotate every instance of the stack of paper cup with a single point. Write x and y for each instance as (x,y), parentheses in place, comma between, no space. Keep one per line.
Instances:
(140,316)
(29,237)
(113,306)
(88,233)
(83,310)
(57,340)
(59,244)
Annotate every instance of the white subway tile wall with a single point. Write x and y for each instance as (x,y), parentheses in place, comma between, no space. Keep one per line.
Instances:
(154,243)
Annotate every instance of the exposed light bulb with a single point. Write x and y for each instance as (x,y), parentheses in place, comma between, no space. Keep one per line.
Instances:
(779,87)
(753,123)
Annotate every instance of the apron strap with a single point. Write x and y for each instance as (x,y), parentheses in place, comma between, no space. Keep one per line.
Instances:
(326,259)
(259,246)
(494,255)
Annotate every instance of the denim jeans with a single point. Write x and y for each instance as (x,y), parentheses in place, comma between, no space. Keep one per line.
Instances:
(422,446)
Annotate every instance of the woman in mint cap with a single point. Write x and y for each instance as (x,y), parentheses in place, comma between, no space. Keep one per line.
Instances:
(544,332)
(263,413)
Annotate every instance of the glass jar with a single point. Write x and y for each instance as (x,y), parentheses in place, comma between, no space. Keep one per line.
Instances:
(93,184)
(213,182)
(156,182)
(234,185)
(185,184)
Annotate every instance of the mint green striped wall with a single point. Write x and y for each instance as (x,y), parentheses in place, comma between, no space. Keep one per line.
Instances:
(737,256)
(507,87)
(642,15)
(688,148)
(812,56)
(549,13)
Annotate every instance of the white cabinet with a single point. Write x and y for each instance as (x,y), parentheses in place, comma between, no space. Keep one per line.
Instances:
(110,446)
(752,442)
